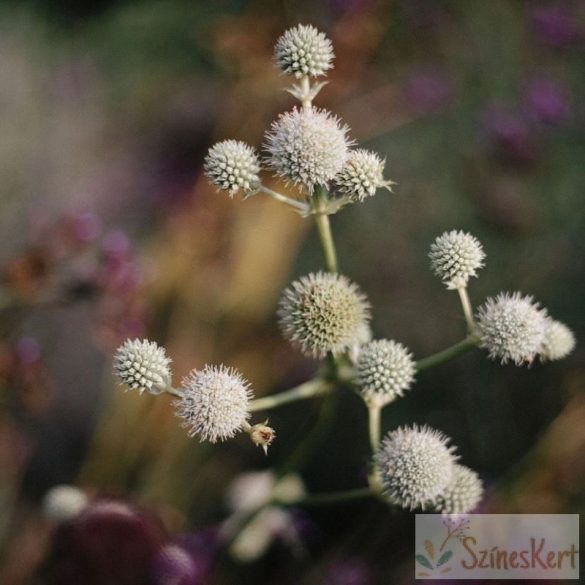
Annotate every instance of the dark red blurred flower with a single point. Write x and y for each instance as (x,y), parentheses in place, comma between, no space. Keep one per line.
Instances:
(554,25)
(547,101)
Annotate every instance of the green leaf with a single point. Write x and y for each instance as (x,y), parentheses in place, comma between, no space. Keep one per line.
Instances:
(424,562)
(444,557)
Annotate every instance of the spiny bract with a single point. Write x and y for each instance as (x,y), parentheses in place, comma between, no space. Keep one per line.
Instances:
(215,403)
(559,341)
(362,175)
(303,50)
(455,257)
(142,365)
(307,146)
(415,465)
(232,165)
(463,493)
(385,369)
(323,312)
(512,328)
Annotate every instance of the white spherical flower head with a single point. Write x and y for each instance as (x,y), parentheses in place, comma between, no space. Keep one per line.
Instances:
(559,341)
(63,502)
(385,369)
(322,313)
(142,365)
(303,50)
(362,175)
(455,257)
(462,495)
(232,165)
(214,403)
(307,146)
(512,328)
(415,465)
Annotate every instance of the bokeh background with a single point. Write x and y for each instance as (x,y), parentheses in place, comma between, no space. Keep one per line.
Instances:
(109,230)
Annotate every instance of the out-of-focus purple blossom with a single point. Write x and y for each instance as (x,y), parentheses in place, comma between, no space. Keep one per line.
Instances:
(554,25)
(427,92)
(109,542)
(174,566)
(350,6)
(350,571)
(511,137)
(27,350)
(116,244)
(85,226)
(547,101)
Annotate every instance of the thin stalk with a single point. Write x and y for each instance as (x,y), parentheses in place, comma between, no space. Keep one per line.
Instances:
(299,205)
(316,387)
(324,229)
(174,392)
(374,426)
(447,354)
(467,310)
(332,497)
(306,87)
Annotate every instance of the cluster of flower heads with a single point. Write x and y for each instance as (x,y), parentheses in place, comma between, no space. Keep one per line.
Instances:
(306,146)
(418,469)
(511,326)
(214,403)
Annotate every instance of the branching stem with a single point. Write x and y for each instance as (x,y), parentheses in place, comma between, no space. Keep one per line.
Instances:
(299,205)
(447,354)
(310,389)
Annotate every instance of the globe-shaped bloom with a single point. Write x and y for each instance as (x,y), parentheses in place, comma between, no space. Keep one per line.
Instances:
(232,165)
(63,502)
(303,51)
(455,257)
(415,466)
(462,495)
(215,403)
(322,313)
(559,341)
(142,365)
(362,175)
(307,146)
(385,369)
(512,328)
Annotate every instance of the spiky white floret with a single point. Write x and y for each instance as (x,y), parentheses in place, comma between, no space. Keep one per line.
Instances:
(303,50)
(307,146)
(455,257)
(559,341)
(415,465)
(142,365)
(362,175)
(232,165)
(215,403)
(322,313)
(462,495)
(512,328)
(385,369)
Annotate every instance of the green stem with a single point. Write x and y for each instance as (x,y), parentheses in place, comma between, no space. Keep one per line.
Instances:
(299,205)
(332,497)
(174,392)
(309,389)
(447,354)
(319,198)
(467,310)
(374,426)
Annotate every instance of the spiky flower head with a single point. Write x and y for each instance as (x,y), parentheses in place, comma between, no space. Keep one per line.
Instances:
(362,175)
(463,493)
(415,465)
(303,50)
(232,165)
(215,403)
(455,257)
(512,328)
(385,369)
(142,365)
(307,146)
(323,312)
(559,341)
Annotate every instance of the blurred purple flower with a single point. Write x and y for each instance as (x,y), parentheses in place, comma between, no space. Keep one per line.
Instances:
(350,571)
(554,25)
(350,6)
(547,101)
(511,137)
(110,542)
(85,226)
(116,244)
(174,566)
(27,350)
(428,92)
